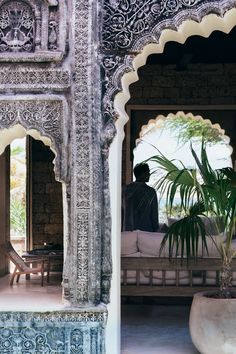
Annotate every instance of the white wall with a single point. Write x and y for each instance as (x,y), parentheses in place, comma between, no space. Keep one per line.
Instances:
(114,321)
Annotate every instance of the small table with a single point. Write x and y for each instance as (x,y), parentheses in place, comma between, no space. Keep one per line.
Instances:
(49,257)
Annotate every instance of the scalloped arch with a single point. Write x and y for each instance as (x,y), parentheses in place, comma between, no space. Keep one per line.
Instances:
(18,131)
(148,130)
(153,122)
(188,28)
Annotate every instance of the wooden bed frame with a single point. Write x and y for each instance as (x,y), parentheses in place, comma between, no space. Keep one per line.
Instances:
(140,264)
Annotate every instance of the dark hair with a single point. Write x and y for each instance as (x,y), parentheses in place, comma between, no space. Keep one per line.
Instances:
(141,169)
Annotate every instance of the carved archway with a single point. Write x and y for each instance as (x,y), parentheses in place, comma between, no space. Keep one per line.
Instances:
(42,114)
(44,118)
(120,70)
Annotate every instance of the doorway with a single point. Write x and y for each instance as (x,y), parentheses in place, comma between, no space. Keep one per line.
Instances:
(189,83)
(32,210)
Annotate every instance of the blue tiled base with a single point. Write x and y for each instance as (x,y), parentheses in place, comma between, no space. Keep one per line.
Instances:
(64,332)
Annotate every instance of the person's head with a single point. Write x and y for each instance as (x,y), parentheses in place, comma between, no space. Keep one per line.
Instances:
(142,172)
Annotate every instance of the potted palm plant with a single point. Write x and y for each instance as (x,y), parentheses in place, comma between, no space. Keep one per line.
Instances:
(204,193)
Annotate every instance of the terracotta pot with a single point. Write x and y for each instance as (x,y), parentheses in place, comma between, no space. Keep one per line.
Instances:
(213,325)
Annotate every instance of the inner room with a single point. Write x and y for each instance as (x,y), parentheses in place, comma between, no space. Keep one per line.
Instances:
(32,220)
(195,78)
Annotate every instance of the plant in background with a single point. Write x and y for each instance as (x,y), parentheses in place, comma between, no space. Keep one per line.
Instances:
(18,216)
(187,128)
(214,193)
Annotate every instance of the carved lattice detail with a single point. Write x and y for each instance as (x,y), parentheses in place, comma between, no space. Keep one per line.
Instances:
(34,79)
(78,332)
(17,27)
(47,116)
(28,340)
(130,24)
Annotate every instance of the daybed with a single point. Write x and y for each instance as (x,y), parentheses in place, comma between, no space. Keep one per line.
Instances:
(145,273)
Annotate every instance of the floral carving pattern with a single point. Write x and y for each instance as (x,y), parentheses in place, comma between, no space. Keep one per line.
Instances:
(47,116)
(17,27)
(27,340)
(76,269)
(125,22)
(52,333)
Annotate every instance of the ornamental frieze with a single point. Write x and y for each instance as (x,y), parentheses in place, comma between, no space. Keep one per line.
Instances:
(53,333)
(31,79)
(48,115)
(130,24)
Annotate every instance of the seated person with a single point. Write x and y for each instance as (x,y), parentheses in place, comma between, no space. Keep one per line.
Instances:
(139,203)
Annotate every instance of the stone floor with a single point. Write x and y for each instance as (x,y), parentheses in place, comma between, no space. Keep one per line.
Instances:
(146,329)
(28,295)
(156,329)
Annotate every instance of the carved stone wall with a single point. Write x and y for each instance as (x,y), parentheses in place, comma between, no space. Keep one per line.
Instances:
(71,51)
(46,114)
(52,333)
(32,30)
(33,79)
(128,25)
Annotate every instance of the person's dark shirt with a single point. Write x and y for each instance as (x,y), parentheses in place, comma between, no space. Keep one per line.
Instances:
(140,210)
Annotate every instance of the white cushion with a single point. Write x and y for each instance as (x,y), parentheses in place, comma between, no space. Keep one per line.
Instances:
(211,245)
(150,242)
(129,242)
(136,254)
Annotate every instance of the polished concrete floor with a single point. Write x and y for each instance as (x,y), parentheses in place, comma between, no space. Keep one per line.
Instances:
(28,295)
(155,329)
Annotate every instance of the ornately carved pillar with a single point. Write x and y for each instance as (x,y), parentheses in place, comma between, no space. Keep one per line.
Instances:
(83,270)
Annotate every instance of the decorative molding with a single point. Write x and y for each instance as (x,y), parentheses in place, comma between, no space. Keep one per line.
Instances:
(53,333)
(87,271)
(113,67)
(80,315)
(31,79)
(128,25)
(46,114)
(76,270)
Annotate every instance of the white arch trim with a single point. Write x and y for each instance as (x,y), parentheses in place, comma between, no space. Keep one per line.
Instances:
(161,118)
(188,28)
(18,132)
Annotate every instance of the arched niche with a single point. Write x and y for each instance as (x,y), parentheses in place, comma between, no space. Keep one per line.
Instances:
(119,73)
